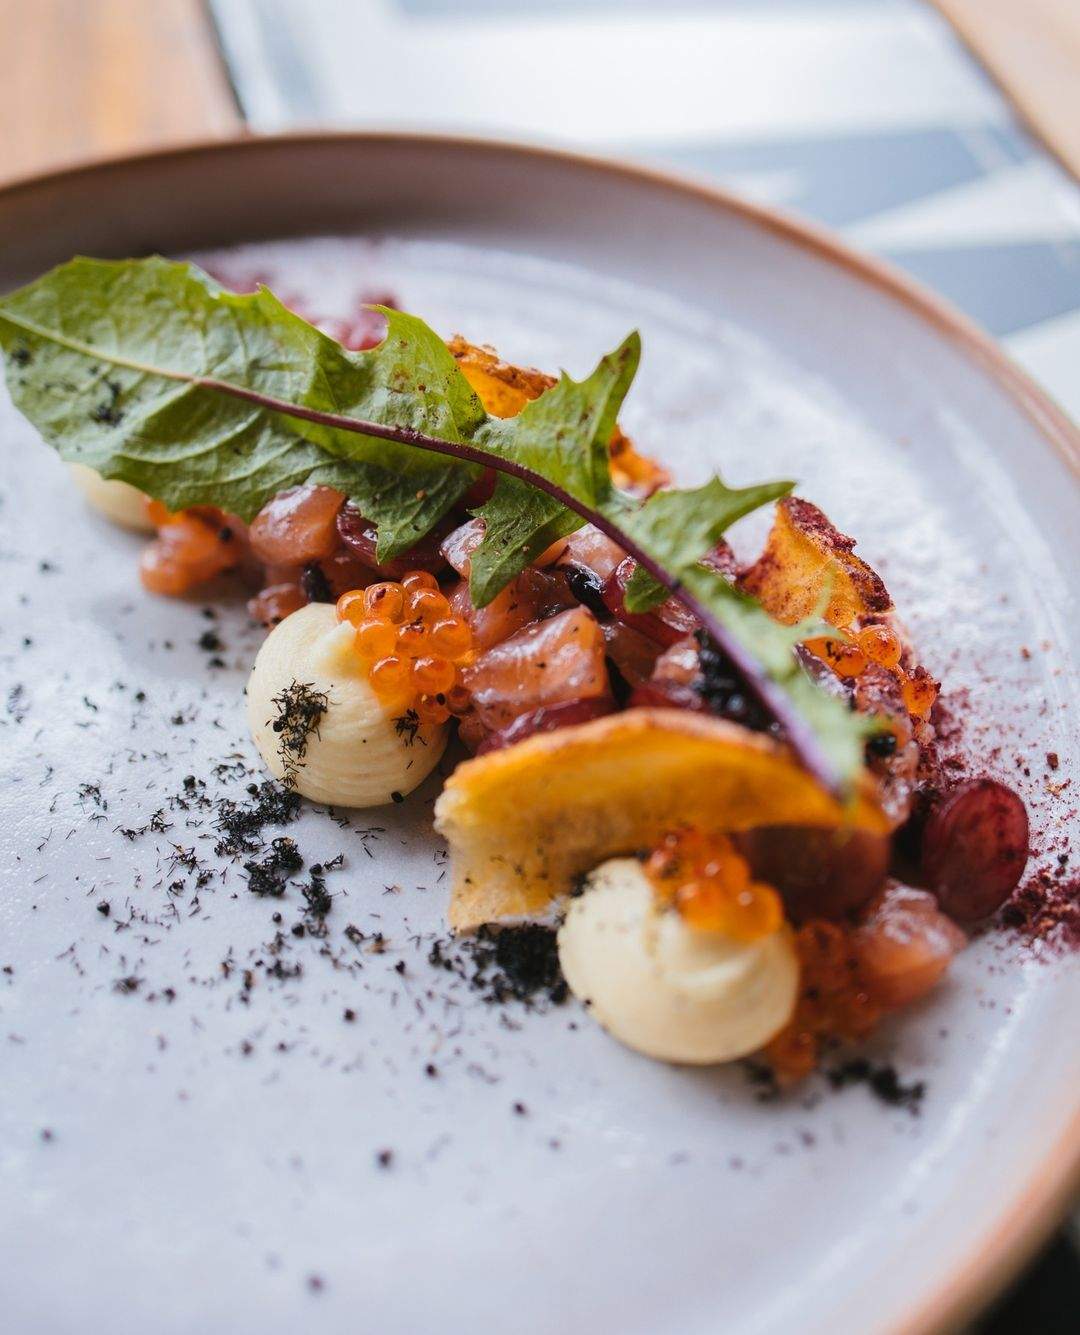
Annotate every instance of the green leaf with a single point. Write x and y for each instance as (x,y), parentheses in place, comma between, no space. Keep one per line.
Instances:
(685,524)
(102,357)
(150,372)
(563,435)
(840,731)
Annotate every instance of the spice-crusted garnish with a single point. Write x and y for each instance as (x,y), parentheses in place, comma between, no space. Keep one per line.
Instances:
(883,1082)
(300,708)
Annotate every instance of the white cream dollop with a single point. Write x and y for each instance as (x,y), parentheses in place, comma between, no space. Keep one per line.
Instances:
(668,990)
(119,501)
(357,758)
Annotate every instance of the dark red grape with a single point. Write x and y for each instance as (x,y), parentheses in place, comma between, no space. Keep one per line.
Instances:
(975,848)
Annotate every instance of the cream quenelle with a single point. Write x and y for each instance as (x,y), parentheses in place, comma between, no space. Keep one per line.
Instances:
(666,989)
(358,754)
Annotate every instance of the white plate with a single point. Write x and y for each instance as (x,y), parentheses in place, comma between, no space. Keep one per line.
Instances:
(193,1184)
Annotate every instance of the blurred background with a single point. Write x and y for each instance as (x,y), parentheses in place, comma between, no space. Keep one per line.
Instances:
(943,135)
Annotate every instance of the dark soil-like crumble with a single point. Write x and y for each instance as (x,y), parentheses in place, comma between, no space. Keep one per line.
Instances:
(519,963)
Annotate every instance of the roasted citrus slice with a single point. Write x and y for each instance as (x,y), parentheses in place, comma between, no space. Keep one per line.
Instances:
(504,390)
(804,558)
(524,822)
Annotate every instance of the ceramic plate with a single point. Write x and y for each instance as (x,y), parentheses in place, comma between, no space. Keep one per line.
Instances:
(191,1128)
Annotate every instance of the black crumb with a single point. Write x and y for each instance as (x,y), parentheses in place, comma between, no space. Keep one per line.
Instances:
(267,875)
(108,411)
(241,823)
(384,1158)
(315,585)
(763,1079)
(318,899)
(349,1016)
(519,963)
(397,797)
(882,1081)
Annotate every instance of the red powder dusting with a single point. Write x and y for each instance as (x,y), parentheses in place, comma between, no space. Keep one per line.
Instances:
(1047,907)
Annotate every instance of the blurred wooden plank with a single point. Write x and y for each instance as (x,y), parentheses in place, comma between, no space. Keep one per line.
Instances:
(89,77)
(1032,49)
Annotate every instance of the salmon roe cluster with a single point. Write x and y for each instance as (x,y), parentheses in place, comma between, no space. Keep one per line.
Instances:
(708,882)
(851,655)
(833,1001)
(412,643)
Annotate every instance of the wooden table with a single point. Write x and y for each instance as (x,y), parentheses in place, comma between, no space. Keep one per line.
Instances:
(85,78)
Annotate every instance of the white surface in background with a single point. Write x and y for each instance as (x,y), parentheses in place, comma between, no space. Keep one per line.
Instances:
(605,75)
(1033,201)
(1051,353)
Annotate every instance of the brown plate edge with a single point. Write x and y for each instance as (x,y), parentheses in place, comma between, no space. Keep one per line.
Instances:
(1027,1221)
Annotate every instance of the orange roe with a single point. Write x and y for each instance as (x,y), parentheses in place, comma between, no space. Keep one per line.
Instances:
(880,644)
(352,606)
(412,643)
(431,709)
(450,637)
(427,605)
(419,579)
(845,657)
(390,675)
(375,639)
(920,692)
(851,653)
(432,675)
(412,638)
(708,882)
(384,602)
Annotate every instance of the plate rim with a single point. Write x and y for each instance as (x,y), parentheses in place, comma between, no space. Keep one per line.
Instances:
(1023,1222)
